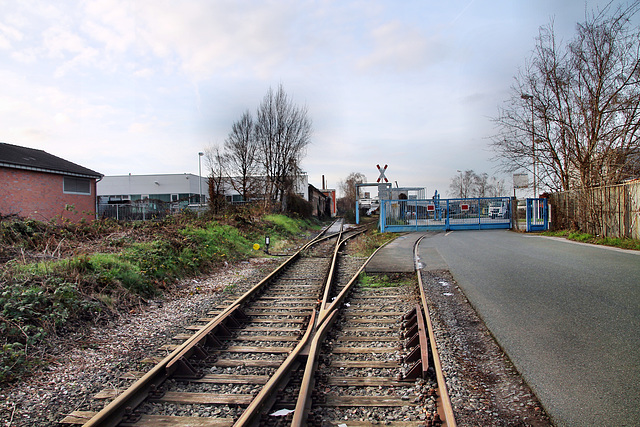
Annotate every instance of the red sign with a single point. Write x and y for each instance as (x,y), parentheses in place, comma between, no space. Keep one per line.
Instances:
(431,207)
(464,207)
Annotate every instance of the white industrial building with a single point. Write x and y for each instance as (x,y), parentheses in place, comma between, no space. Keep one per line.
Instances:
(179,189)
(183,189)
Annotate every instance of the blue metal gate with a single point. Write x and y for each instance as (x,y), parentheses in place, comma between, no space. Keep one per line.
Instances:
(479,213)
(537,215)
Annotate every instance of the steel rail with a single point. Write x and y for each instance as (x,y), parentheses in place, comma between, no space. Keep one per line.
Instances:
(325,320)
(343,293)
(268,391)
(303,404)
(127,401)
(444,402)
(332,268)
(254,410)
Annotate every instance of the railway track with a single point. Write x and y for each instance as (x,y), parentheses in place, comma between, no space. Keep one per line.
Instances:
(305,346)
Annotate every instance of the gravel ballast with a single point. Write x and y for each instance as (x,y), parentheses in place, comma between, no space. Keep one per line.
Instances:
(484,387)
(89,360)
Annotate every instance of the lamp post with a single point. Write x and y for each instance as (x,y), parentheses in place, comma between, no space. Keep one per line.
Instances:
(528,97)
(200,154)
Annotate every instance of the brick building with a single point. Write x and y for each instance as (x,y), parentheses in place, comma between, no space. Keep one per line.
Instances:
(38,185)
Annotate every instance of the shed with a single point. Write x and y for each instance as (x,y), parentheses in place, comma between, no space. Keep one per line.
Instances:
(38,185)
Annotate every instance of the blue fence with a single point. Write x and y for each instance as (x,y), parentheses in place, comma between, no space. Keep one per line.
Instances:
(537,215)
(445,214)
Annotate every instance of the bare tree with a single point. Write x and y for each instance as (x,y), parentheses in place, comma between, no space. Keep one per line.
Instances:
(462,184)
(348,186)
(216,161)
(472,184)
(481,185)
(574,112)
(242,156)
(283,131)
(496,187)
(347,203)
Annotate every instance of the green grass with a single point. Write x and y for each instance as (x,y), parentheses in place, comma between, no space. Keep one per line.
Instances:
(39,298)
(366,245)
(380,281)
(284,224)
(577,236)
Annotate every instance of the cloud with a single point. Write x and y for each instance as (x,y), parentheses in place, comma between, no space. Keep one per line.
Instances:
(7,34)
(60,41)
(397,47)
(206,37)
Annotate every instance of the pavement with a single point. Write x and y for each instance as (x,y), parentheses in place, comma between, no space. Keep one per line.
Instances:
(396,256)
(567,315)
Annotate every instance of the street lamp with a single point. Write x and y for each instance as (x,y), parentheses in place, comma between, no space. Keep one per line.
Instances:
(528,97)
(200,154)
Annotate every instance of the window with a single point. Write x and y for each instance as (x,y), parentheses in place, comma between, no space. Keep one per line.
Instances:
(76,185)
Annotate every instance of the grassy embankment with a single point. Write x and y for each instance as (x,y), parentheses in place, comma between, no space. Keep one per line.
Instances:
(58,277)
(596,240)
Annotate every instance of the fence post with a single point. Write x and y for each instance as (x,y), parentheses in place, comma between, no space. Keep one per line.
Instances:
(446,221)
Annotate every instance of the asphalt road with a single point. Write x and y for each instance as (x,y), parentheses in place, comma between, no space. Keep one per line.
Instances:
(567,314)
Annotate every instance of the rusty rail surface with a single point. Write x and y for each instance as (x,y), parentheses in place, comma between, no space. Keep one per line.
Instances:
(330,277)
(326,319)
(257,405)
(418,341)
(444,403)
(123,405)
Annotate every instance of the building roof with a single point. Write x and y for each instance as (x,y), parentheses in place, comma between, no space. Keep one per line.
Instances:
(14,156)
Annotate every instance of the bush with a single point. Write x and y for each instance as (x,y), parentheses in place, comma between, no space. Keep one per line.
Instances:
(30,311)
(106,266)
(284,224)
(299,206)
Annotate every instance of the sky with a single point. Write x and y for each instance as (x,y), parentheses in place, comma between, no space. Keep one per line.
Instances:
(140,87)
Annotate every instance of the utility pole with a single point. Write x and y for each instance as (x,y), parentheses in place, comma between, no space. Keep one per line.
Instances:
(528,97)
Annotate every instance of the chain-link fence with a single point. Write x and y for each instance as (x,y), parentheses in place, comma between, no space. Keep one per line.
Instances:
(134,212)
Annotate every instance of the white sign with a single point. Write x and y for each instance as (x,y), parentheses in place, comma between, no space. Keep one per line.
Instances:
(520,180)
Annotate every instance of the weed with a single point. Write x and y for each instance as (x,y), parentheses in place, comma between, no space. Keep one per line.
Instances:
(377,281)
(119,265)
(596,240)
(229,289)
(367,244)
(284,224)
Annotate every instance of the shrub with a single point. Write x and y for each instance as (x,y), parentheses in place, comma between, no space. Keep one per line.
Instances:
(30,311)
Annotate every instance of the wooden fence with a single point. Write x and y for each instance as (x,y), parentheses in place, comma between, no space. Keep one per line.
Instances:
(612,211)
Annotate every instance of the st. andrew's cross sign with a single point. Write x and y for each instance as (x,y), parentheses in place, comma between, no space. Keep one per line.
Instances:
(382,177)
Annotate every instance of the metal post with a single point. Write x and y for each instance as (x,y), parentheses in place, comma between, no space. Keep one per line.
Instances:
(446,221)
(200,154)
(528,97)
